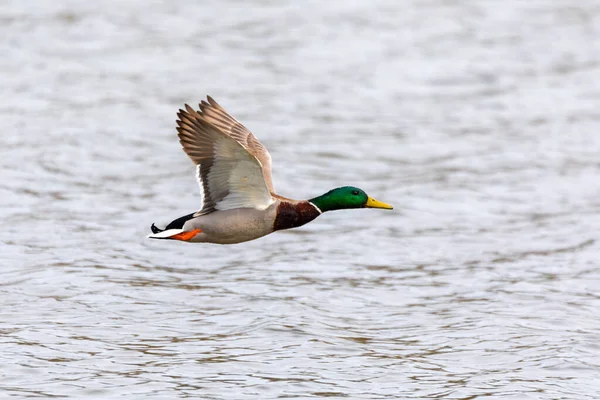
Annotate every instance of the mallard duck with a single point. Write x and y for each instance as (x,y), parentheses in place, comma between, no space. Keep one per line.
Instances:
(234,173)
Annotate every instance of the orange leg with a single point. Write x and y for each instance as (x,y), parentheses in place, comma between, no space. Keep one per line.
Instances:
(185,236)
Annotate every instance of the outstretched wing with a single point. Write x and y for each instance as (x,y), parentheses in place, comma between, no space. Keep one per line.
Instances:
(216,115)
(229,176)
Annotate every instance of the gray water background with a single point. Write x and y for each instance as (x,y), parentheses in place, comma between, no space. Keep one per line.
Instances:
(478,120)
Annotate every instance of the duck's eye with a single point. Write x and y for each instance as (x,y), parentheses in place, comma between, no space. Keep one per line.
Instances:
(355,192)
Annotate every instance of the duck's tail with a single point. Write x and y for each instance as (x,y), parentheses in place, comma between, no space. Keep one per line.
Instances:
(164,233)
(174,228)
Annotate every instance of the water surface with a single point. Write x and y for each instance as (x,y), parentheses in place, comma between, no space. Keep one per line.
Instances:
(478,121)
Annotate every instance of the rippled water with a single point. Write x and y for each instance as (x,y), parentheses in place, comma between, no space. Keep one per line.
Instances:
(479,121)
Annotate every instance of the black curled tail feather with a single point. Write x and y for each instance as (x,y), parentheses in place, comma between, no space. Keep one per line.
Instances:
(176,224)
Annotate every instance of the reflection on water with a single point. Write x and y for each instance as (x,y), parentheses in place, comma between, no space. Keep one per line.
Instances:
(478,121)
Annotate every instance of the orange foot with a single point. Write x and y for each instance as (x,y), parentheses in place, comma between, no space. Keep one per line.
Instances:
(185,236)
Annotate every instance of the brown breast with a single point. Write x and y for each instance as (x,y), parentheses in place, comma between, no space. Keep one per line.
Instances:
(292,215)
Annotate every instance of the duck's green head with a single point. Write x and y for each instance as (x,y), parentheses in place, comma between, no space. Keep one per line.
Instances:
(347,197)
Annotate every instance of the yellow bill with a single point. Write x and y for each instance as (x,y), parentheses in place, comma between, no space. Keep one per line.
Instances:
(372,203)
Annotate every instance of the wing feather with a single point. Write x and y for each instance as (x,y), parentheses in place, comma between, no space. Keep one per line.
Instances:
(229,176)
(213,113)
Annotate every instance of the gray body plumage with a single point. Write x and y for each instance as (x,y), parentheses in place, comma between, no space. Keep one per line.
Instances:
(233,226)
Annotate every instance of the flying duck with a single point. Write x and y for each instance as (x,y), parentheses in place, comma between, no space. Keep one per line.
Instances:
(234,173)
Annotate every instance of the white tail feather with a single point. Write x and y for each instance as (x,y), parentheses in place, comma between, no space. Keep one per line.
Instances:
(165,234)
